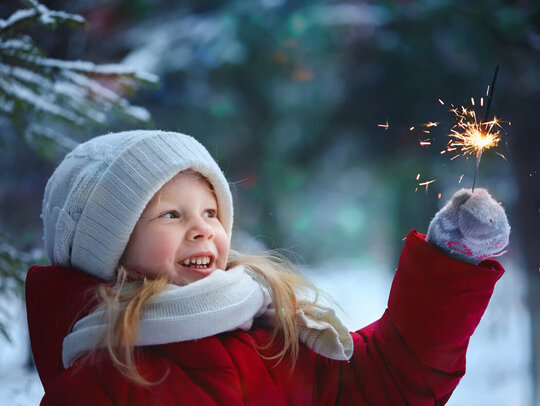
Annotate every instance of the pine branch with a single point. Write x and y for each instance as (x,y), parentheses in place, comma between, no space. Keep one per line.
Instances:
(35,88)
(13,267)
(39,14)
(30,99)
(89,68)
(22,44)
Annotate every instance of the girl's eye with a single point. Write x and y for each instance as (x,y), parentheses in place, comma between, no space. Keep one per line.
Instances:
(170,215)
(210,213)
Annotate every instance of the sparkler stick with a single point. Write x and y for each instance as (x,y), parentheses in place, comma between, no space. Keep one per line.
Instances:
(484,123)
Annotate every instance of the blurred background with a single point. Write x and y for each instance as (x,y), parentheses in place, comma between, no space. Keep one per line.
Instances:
(318,113)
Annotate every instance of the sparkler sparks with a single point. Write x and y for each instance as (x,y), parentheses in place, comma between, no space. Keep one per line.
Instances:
(386,126)
(471,136)
(426,184)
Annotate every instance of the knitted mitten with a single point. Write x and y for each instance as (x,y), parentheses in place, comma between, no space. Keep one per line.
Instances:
(471,227)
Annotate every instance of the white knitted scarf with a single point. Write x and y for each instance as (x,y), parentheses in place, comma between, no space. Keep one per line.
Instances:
(223,301)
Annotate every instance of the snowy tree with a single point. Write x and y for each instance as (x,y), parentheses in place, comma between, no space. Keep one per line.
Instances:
(37,90)
(42,99)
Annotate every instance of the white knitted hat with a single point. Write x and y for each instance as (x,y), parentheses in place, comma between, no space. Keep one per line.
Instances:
(96,195)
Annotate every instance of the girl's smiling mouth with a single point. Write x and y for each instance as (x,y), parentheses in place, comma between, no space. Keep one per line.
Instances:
(198,262)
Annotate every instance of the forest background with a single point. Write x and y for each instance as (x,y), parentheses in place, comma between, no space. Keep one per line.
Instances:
(318,112)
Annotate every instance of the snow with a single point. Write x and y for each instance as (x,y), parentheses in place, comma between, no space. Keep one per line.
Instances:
(18,384)
(16,17)
(499,369)
(85,96)
(39,102)
(499,357)
(20,387)
(31,79)
(22,74)
(20,44)
(55,86)
(137,112)
(46,16)
(89,67)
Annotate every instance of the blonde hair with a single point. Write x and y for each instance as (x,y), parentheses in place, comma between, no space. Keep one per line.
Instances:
(125,302)
(279,275)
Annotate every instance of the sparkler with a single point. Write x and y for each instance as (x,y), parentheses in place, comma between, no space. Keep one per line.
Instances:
(468,135)
(471,136)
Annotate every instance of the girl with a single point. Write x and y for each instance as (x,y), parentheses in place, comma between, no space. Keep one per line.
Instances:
(146,304)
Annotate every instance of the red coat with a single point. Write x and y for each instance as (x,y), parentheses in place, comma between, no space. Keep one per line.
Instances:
(413,355)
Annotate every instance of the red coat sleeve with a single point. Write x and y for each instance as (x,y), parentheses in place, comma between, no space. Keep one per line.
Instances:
(415,354)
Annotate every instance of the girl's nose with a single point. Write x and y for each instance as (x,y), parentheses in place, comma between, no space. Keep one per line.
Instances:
(200,230)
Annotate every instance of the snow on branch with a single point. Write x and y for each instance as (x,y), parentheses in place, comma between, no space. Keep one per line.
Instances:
(39,14)
(38,92)
(93,69)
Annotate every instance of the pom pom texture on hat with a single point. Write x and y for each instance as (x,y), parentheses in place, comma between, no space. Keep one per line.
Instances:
(96,195)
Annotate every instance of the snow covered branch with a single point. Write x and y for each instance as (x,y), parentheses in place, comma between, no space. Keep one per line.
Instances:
(37,13)
(53,93)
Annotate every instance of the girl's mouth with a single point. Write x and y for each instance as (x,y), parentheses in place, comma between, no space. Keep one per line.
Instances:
(202,262)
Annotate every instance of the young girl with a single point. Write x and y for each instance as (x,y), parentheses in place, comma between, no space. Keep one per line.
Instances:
(146,304)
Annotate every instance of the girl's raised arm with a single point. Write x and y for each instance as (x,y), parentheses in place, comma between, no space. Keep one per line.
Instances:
(415,354)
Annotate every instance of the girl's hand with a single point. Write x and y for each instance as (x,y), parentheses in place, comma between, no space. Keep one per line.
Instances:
(471,227)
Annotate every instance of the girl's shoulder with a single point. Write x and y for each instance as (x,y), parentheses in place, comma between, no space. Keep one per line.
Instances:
(56,298)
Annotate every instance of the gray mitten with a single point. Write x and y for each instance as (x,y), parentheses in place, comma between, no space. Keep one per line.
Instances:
(470,227)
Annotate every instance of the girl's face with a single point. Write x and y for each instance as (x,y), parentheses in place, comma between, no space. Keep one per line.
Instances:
(179,234)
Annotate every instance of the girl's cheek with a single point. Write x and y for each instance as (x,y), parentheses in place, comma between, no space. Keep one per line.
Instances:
(159,251)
